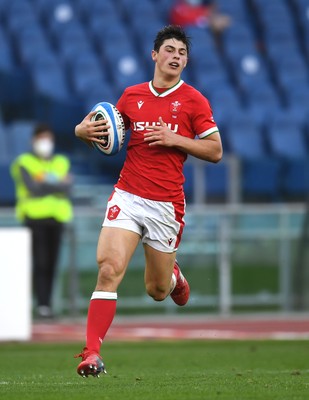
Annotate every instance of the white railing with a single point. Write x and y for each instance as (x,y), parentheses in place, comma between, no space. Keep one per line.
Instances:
(199,240)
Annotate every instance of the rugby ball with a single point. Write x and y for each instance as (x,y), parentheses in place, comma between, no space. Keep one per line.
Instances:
(113,141)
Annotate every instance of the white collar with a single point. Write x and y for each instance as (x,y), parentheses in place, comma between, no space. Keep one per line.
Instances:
(167,92)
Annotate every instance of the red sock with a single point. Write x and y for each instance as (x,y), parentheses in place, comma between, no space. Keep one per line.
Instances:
(101,312)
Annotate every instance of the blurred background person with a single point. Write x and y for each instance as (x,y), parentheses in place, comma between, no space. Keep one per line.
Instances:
(200,13)
(42,184)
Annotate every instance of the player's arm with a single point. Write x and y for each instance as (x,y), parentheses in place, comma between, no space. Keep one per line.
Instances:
(90,131)
(208,148)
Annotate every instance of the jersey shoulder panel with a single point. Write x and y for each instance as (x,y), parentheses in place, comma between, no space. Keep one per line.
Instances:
(195,94)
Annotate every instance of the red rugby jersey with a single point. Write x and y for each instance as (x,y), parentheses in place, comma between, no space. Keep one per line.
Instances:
(156,172)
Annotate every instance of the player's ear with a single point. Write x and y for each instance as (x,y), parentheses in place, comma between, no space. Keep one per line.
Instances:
(154,55)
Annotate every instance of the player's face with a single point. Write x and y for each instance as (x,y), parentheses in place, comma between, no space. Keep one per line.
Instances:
(171,58)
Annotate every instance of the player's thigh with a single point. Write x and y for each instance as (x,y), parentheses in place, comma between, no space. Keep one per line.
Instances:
(116,247)
(159,266)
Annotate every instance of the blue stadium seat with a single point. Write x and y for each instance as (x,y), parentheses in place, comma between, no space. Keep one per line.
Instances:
(31,42)
(97,8)
(302,10)
(238,35)
(237,42)
(188,171)
(278,29)
(299,114)
(68,51)
(7,61)
(7,192)
(125,66)
(53,102)
(70,32)
(4,153)
(85,73)
(19,137)
(208,70)
(297,101)
(236,9)
(205,83)
(115,33)
(149,16)
(224,103)
(117,30)
(14,81)
(276,50)
(164,8)
(272,18)
(264,8)
(200,37)
(114,29)
(58,10)
(217,180)
(249,69)
(262,102)
(3,8)
(19,14)
(260,175)
(102,91)
(49,79)
(261,179)
(146,8)
(244,138)
(279,34)
(295,180)
(145,30)
(286,139)
(58,23)
(69,39)
(291,73)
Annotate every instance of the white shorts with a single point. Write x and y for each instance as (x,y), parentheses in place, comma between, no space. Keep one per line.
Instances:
(160,224)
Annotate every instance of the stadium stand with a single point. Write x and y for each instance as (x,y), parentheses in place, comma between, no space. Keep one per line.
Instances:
(60,57)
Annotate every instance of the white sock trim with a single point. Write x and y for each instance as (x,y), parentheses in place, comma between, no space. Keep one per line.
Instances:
(104,296)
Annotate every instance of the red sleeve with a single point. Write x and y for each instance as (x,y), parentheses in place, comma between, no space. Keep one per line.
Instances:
(203,120)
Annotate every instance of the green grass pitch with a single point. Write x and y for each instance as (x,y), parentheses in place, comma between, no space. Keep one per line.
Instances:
(159,370)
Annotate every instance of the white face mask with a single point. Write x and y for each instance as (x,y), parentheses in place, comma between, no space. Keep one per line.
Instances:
(43,147)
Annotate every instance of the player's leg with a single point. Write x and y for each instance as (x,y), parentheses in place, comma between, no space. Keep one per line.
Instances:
(115,249)
(158,273)
(163,277)
(161,237)
(181,291)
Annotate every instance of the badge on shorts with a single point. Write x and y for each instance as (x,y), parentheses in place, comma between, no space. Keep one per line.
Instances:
(113,212)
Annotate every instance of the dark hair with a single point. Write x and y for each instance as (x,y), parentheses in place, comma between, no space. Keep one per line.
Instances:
(172,32)
(40,128)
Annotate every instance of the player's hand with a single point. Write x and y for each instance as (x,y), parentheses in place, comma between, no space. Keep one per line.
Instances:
(92,130)
(160,135)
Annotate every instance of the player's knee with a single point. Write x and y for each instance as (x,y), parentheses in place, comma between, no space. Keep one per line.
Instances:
(109,270)
(157,292)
